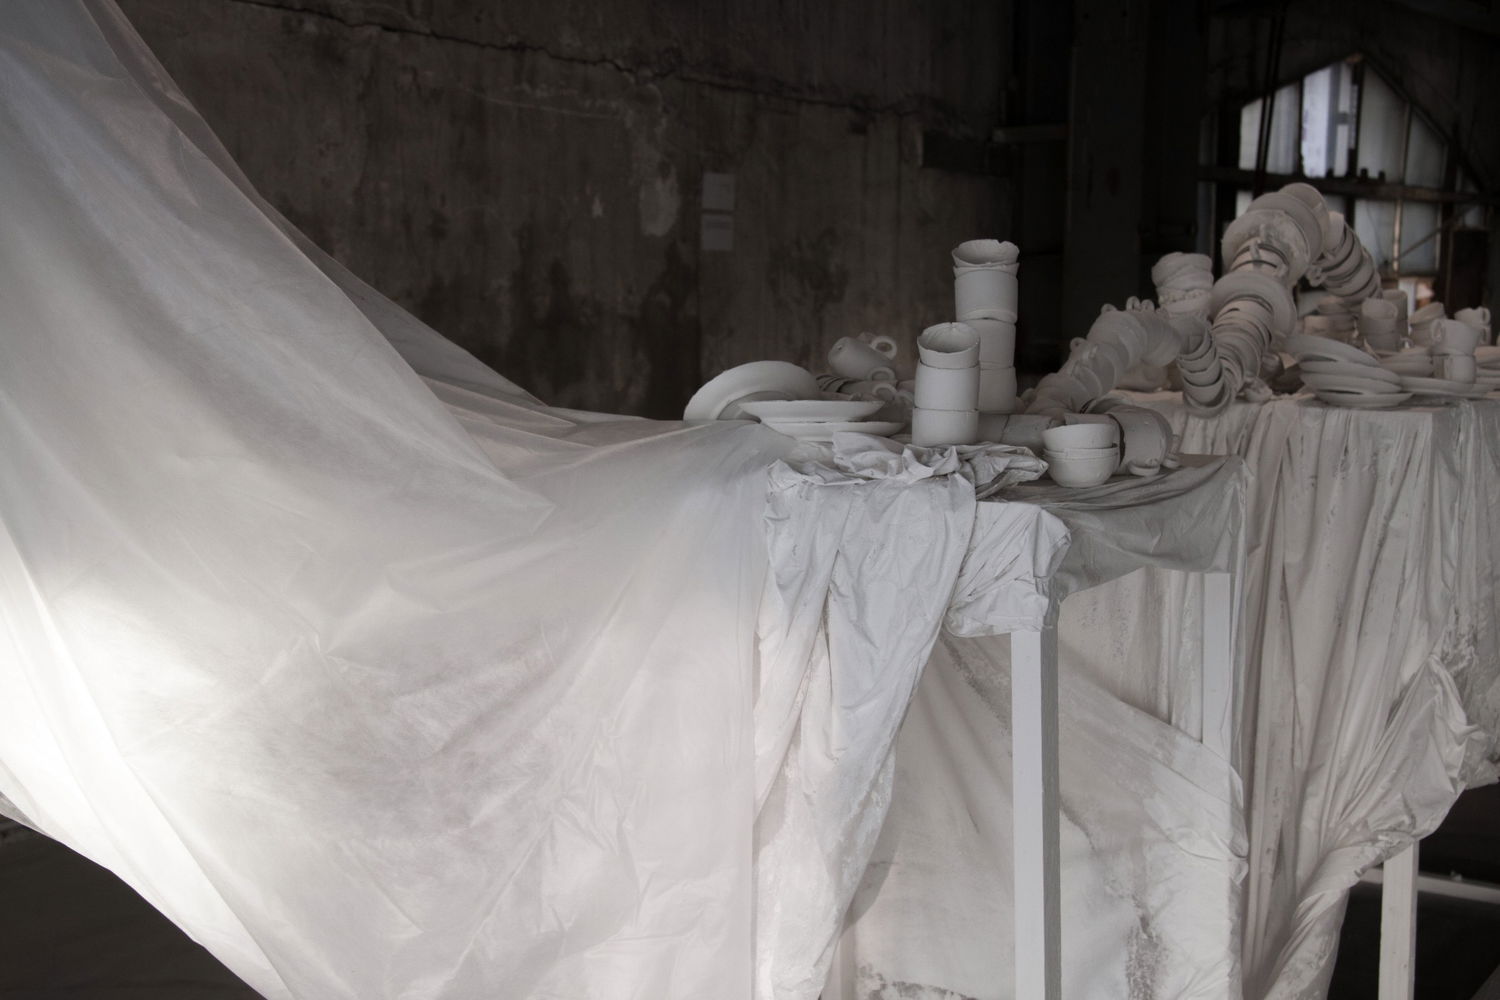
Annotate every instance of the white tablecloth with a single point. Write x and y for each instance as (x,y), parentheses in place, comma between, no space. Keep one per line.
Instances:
(1372,680)
(1152,840)
(1370,697)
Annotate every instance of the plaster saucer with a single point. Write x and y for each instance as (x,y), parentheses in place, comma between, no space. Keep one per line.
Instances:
(1364,400)
(824,430)
(1440,388)
(779,410)
(1303,346)
(721,396)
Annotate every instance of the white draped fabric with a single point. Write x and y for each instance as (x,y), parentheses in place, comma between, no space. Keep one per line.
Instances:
(1372,683)
(373,673)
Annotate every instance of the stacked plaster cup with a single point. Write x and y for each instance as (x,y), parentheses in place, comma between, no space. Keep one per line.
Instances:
(1184,287)
(946,389)
(1119,340)
(1280,238)
(985,296)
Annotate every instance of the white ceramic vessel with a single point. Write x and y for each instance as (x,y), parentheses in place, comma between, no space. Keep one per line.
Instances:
(856,359)
(1079,472)
(949,345)
(944,427)
(812,409)
(997,388)
(720,396)
(1100,434)
(947,388)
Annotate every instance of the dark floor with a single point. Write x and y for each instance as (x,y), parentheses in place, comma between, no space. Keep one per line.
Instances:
(1458,947)
(71,930)
(1458,942)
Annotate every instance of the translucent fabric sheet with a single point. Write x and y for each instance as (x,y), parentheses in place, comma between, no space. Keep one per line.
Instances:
(372,704)
(372,672)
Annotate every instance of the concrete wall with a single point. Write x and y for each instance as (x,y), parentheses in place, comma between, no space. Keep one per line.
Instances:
(527,177)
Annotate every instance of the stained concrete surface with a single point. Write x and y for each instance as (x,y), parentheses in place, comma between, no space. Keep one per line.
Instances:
(527,177)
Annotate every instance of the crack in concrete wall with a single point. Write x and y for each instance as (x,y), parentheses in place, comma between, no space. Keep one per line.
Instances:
(638,74)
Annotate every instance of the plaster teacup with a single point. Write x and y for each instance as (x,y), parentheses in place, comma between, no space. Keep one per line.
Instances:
(855,359)
(949,345)
(947,388)
(997,340)
(997,388)
(1456,367)
(985,293)
(944,427)
(1451,336)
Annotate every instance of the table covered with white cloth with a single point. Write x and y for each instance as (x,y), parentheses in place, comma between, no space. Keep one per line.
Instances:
(1152,839)
(1370,697)
(1373,656)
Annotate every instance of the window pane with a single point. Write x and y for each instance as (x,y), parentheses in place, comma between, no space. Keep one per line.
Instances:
(1242,201)
(1424,155)
(1382,126)
(1249,134)
(1327,99)
(1281,157)
(1375,222)
(1286,116)
(1419,220)
(1471,216)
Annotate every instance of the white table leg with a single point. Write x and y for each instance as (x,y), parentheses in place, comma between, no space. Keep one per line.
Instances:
(1038,890)
(1218,663)
(1398,926)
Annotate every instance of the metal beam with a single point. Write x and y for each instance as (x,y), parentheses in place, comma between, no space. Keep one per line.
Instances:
(1450,888)
(1358,187)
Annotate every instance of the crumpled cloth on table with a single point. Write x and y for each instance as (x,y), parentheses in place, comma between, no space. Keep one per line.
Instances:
(989,468)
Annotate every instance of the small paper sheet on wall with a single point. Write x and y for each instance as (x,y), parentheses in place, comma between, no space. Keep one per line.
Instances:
(716,229)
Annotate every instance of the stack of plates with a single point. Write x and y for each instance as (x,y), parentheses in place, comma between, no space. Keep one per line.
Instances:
(1341,375)
(1489,367)
(820,419)
(1437,388)
(1416,362)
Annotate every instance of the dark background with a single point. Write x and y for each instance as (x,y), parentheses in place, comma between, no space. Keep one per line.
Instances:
(527,176)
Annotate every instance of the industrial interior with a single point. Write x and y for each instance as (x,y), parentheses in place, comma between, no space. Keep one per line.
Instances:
(641,500)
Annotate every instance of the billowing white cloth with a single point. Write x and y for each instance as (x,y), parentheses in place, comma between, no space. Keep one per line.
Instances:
(1372,681)
(369,670)
(372,672)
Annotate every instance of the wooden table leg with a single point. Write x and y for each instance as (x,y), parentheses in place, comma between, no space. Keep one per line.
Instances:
(1038,889)
(1398,926)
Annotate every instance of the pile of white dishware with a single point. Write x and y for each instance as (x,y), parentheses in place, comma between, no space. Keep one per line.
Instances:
(1344,375)
(1082,454)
